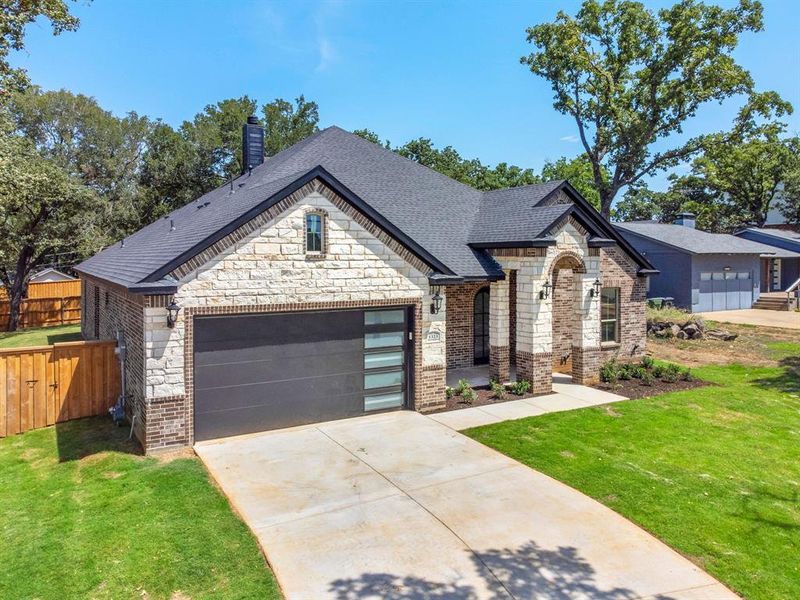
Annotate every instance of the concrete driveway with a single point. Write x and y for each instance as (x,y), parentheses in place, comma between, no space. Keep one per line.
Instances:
(754,316)
(398,505)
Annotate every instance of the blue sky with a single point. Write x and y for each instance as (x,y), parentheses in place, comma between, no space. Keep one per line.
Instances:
(445,70)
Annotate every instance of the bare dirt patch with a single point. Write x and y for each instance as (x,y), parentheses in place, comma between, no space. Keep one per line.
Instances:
(751,347)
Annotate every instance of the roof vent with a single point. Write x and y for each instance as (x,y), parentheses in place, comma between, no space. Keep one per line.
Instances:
(252,144)
(686,219)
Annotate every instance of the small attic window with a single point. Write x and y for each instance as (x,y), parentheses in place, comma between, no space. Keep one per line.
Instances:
(315,233)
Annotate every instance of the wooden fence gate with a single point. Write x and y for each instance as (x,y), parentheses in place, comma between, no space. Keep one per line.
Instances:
(46,385)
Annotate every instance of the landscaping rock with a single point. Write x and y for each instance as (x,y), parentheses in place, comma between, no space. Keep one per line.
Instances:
(693,329)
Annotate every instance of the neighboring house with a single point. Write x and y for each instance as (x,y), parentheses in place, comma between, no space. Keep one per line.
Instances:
(702,271)
(49,275)
(781,270)
(339,278)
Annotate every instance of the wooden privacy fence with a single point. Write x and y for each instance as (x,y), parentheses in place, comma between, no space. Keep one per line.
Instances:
(44,312)
(46,385)
(50,289)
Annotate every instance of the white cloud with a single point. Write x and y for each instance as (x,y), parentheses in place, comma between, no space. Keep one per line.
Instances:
(327,53)
(569,138)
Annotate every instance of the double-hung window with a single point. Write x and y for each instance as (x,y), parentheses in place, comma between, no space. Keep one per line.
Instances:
(609,315)
(314,233)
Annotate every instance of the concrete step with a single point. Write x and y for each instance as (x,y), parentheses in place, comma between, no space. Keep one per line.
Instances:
(771,304)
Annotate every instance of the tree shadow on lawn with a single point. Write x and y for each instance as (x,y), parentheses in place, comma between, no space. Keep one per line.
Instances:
(527,572)
(788,381)
(767,508)
(80,438)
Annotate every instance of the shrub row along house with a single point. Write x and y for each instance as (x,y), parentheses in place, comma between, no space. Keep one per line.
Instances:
(337,278)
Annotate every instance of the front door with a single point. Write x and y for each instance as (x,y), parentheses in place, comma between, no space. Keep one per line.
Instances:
(766,272)
(480,317)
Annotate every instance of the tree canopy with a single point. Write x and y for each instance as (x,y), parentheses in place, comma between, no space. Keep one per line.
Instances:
(630,76)
(15,15)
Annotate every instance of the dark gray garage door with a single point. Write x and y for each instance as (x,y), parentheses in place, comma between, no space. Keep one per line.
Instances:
(259,372)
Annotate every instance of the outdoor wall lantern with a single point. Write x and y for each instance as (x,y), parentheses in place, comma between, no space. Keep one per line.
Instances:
(436,304)
(172,314)
(544,293)
(596,287)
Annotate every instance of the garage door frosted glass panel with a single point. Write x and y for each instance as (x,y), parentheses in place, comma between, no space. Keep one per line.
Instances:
(383,380)
(383,339)
(383,401)
(384,317)
(383,359)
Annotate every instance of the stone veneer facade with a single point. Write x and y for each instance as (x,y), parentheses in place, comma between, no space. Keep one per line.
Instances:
(564,326)
(263,267)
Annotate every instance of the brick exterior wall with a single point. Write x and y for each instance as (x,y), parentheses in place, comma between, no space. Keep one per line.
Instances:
(563,317)
(585,365)
(499,363)
(619,270)
(537,369)
(119,311)
(460,323)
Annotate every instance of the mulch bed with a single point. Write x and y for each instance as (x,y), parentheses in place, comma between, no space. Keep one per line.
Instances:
(484,396)
(633,388)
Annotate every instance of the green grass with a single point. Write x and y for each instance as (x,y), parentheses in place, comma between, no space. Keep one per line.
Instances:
(713,471)
(81,516)
(41,336)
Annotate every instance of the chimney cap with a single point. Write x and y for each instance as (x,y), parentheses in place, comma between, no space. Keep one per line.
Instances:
(252,120)
(687,215)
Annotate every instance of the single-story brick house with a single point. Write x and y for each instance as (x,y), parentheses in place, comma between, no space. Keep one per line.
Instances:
(781,270)
(337,278)
(701,271)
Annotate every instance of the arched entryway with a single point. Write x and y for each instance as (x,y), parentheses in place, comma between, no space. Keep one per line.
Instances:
(480,327)
(564,277)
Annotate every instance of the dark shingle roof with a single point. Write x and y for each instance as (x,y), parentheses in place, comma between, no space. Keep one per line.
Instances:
(433,213)
(693,240)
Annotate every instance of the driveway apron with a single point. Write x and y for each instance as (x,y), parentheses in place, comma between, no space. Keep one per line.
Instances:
(398,505)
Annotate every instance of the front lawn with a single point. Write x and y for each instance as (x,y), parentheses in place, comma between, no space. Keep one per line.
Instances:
(83,516)
(40,336)
(713,471)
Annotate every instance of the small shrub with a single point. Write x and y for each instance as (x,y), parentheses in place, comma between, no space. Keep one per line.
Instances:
(658,371)
(609,372)
(498,390)
(462,385)
(521,387)
(449,392)
(626,371)
(648,362)
(647,378)
(468,396)
(638,372)
(671,373)
(687,375)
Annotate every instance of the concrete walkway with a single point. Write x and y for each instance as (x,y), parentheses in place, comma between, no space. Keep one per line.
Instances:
(398,505)
(566,396)
(755,316)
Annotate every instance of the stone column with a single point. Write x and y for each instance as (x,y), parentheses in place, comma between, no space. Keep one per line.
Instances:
(586,336)
(534,326)
(499,356)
